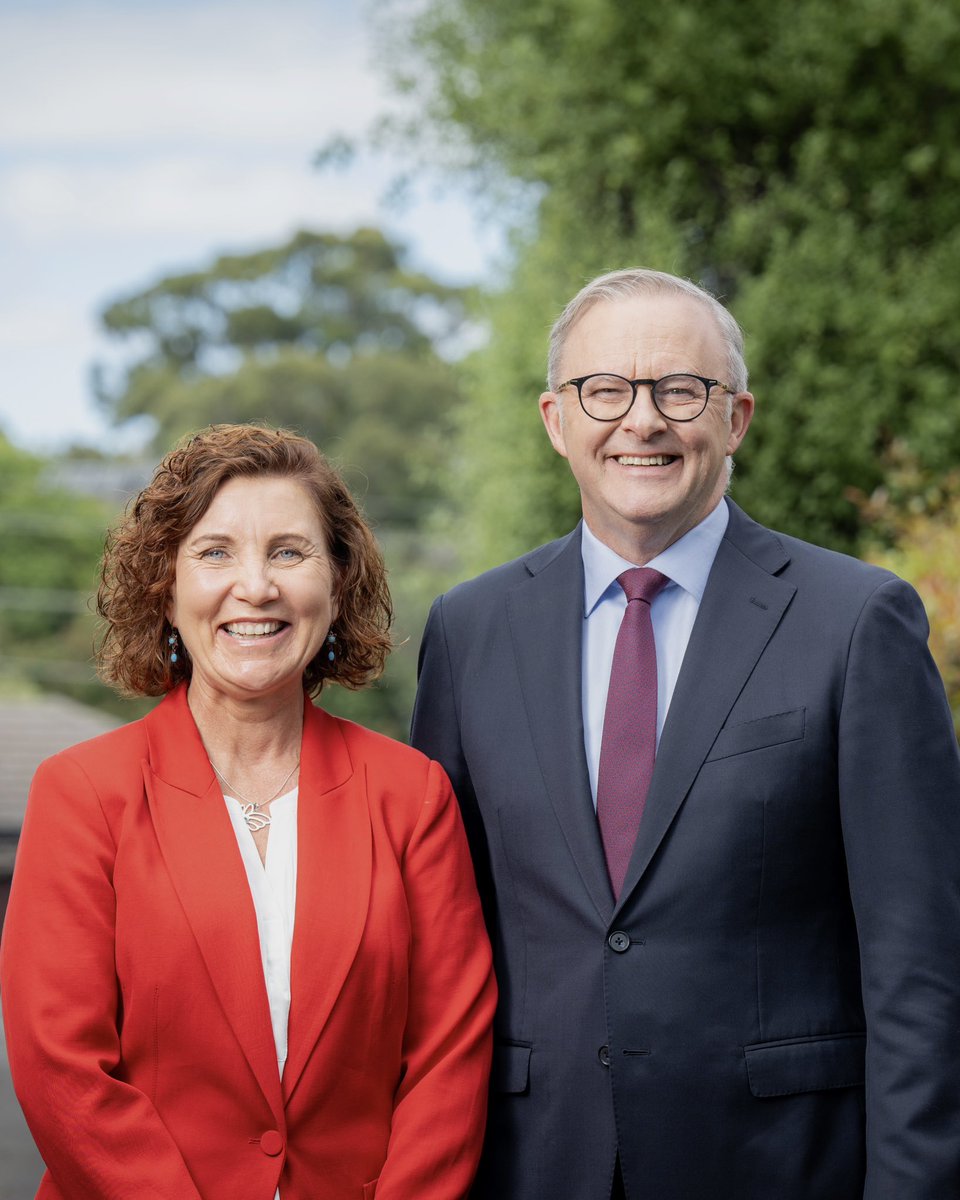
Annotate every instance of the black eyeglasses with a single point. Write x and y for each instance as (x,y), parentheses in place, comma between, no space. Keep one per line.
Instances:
(677,397)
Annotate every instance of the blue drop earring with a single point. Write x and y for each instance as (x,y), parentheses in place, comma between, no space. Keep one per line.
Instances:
(174,646)
(331,641)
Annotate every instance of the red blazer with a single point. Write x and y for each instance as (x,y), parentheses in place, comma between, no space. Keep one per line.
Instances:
(137,1020)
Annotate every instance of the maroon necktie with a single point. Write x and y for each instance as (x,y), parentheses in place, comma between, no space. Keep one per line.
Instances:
(629,743)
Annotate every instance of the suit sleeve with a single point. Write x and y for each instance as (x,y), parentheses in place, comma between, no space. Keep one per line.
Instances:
(899,778)
(99,1137)
(440,1108)
(435,730)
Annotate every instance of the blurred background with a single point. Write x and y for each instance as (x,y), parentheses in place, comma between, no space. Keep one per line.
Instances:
(359,221)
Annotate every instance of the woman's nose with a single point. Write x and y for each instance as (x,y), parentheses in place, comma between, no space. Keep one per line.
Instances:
(254,582)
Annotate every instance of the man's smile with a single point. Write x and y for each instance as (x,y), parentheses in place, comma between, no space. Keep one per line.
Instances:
(645,460)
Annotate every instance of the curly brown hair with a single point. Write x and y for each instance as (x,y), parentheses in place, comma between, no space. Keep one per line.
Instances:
(139,561)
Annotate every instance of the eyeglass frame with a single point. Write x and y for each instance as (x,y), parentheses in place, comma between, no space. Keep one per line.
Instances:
(652,384)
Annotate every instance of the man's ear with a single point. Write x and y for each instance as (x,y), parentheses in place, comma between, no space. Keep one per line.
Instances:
(552,417)
(741,414)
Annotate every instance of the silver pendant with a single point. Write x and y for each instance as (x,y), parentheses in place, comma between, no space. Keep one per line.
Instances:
(255,819)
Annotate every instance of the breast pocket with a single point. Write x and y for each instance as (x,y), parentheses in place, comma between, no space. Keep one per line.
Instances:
(769,731)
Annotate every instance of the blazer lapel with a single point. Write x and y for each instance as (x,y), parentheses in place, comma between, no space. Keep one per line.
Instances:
(334,869)
(546,623)
(200,851)
(742,605)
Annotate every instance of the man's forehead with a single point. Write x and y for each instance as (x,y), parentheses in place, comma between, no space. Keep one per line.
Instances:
(645,323)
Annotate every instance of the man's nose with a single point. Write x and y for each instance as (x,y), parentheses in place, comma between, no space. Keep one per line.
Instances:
(643,417)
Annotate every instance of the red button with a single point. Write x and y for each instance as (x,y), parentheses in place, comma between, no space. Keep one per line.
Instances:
(271,1143)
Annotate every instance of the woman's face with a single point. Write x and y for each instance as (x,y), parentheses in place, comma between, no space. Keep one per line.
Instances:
(253,591)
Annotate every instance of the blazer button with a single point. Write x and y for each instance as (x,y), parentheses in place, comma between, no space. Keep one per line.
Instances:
(604,1055)
(271,1143)
(618,941)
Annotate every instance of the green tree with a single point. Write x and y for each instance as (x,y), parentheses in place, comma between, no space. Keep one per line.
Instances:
(50,543)
(801,159)
(913,528)
(327,334)
(332,336)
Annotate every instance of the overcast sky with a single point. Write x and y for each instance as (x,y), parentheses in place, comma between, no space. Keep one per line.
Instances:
(138,138)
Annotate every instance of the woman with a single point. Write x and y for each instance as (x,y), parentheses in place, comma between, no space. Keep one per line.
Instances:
(244,955)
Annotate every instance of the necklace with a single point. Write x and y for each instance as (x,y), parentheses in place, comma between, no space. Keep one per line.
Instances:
(252,812)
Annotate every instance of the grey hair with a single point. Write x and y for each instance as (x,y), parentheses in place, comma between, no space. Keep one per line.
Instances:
(642,281)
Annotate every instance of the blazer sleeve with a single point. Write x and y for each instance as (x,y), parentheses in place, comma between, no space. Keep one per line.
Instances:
(899,780)
(435,725)
(440,1107)
(99,1136)
(435,730)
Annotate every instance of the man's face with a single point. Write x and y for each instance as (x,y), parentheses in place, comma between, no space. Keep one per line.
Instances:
(638,508)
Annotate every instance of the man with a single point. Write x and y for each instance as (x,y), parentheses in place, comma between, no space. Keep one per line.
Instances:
(734,974)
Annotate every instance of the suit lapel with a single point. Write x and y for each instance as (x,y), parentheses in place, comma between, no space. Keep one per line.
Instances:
(200,850)
(335,861)
(546,623)
(742,605)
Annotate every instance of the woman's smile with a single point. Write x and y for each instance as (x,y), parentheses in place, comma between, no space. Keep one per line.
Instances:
(253,594)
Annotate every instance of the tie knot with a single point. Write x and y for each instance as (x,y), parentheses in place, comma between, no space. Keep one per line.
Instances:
(642,583)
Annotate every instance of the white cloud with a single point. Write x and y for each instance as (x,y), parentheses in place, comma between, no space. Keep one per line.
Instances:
(222,197)
(101,74)
(42,325)
(143,137)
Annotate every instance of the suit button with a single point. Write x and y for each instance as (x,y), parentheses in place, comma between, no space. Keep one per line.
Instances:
(618,941)
(604,1055)
(271,1143)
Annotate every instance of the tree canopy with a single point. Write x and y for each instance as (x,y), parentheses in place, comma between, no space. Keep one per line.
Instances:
(330,294)
(800,159)
(327,334)
(333,336)
(918,540)
(50,543)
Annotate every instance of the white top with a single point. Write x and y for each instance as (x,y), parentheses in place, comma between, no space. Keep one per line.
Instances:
(273,885)
(687,564)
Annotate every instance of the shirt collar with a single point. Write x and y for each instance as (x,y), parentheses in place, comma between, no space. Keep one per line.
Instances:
(686,562)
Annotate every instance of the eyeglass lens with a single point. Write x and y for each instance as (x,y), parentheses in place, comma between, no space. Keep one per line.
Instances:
(609,396)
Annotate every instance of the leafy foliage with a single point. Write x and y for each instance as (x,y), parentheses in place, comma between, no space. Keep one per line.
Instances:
(918,540)
(327,293)
(801,159)
(50,543)
(328,335)
(332,336)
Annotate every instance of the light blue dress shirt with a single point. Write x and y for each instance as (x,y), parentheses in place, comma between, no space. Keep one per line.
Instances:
(686,564)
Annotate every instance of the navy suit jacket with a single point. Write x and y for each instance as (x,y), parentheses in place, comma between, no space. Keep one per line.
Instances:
(771,1011)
